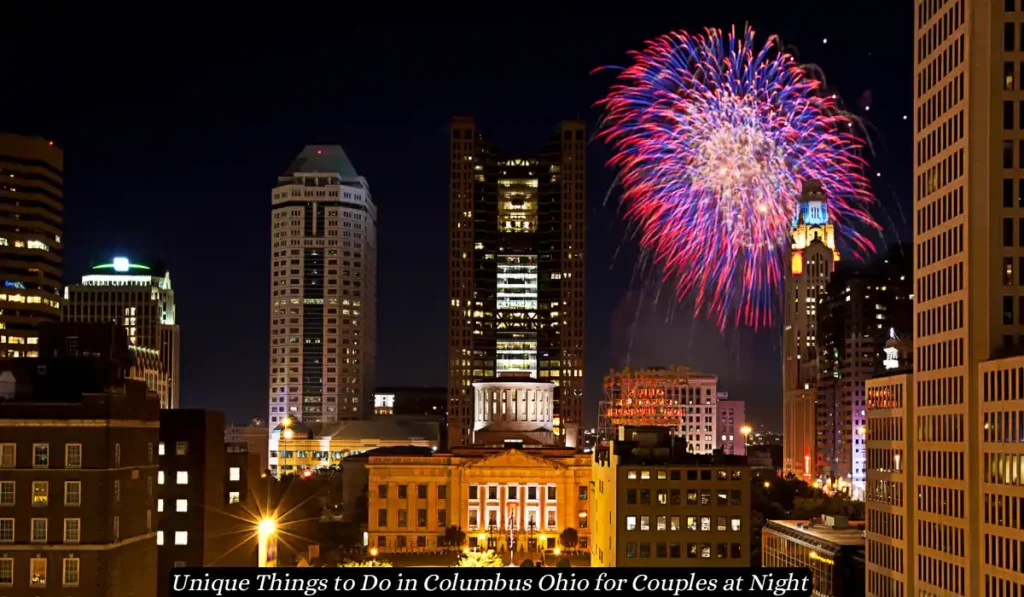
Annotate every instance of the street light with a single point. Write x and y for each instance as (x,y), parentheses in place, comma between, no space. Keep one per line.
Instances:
(373,552)
(745,430)
(266,532)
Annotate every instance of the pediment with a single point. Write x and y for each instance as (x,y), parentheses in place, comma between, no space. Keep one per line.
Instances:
(515,459)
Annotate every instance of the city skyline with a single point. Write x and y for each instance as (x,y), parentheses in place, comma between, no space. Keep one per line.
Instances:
(231,144)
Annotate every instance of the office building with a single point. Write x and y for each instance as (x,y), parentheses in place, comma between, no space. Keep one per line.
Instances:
(78,471)
(516,231)
(32,188)
(323,323)
(206,496)
(253,438)
(730,423)
(833,550)
(140,299)
(518,500)
(857,318)
(810,267)
(410,401)
(676,398)
(296,447)
(667,507)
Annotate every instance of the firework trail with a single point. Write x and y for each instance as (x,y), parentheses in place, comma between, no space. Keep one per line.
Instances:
(713,138)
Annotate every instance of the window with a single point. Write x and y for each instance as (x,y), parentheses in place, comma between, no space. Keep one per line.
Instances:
(403,518)
(41,455)
(631,523)
(631,475)
(474,492)
(736,497)
(552,492)
(673,523)
(182,478)
(71,572)
(160,449)
(705,550)
(721,524)
(662,523)
(531,493)
(676,497)
(181,449)
(1008,77)
(645,497)
(1007,115)
(72,493)
(234,474)
(581,519)
(631,497)
(382,517)
(442,492)
(513,492)
(645,475)
(234,497)
(723,497)
(39,530)
(117,528)
(645,523)
(583,492)
(663,497)
(705,523)
(7,455)
(180,564)
(645,550)
(660,550)
(6,493)
(6,530)
(73,456)
(631,550)
(382,492)
(181,537)
(181,505)
(403,492)
(421,517)
(117,492)
(117,455)
(442,518)
(6,572)
(37,572)
(551,519)
(159,537)
(492,492)
(737,550)
(736,523)
(674,550)
(149,453)
(421,492)
(40,493)
(1008,37)
(159,477)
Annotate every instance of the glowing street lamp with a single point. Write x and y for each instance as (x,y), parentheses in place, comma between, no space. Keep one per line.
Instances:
(373,552)
(267,539)
(745,430)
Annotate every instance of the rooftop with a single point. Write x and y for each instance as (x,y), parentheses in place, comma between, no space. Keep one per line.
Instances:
(851,536)
(329,159)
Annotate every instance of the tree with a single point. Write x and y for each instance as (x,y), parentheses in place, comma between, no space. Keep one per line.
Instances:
(570,538)
(480,559)
(366,564)
(563,563)
(454,537)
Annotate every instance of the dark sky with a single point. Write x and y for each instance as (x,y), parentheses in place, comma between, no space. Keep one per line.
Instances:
(175,123)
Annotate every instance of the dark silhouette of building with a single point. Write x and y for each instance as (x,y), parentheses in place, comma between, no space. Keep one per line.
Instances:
(78,471)
(207,501)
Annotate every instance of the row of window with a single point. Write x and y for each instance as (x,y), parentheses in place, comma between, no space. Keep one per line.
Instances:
(40,530)
(41,455)
(693,523)
(693,550)
(41,493)
(403,518)
(694,497)
(37,572)
(180,537)
(691,475)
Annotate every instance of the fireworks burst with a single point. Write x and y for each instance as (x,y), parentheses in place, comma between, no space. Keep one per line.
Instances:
(713,138)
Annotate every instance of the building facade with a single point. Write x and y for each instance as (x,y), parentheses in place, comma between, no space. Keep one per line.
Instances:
(667,507)
(141,300)
(730,421)
(253,438)
(676,398)
(78,476)
(810,267)
(31,245)
(832,550)
(516,230)
(206,496)
(410,401)
(323,322)
(506,500)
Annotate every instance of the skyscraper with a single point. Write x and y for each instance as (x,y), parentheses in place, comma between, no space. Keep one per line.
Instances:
(516,271)
(323,320)
(141,300)
(811,263)
(944,497)
(31,246)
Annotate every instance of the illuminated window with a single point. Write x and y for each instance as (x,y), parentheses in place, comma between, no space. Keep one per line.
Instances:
(40,493)
(160,449)
(234,474)
(234,497)
(159,477)
(159,537)
(37,572)
(181,506)
(181,537)
(181,478)
(631,523)
(41,455)
(181,448)
(160,505)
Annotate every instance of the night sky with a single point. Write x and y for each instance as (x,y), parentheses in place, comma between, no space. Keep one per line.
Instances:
(175,126)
